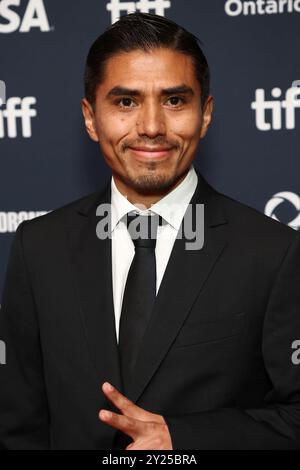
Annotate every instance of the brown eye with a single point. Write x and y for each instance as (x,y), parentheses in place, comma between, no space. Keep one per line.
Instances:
(125,102)
(175,100)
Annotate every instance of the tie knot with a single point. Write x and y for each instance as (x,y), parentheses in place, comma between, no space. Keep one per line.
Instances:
(143,229)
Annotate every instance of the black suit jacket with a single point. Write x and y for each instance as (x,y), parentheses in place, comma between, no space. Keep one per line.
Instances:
(216,360)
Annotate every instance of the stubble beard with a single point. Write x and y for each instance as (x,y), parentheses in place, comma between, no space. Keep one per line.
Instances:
(151,182)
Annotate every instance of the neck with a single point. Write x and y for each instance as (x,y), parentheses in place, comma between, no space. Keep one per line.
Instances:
(144,200)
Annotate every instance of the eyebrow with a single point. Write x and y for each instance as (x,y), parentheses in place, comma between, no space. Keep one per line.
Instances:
(121,91)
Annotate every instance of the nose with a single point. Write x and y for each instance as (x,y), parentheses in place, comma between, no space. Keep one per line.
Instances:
(151,120)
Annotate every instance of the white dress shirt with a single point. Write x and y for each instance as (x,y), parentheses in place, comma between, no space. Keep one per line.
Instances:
(171,208)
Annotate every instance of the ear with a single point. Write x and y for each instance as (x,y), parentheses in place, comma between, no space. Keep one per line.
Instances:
(206,116)
(89,119)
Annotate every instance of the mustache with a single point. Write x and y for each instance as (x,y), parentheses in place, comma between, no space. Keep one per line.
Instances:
(150,143)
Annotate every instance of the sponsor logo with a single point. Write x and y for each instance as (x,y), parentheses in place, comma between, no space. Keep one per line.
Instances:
(9,221)
(35,16)
(261,7)
(279,198)
(115,7)
(17,109)
(282,110)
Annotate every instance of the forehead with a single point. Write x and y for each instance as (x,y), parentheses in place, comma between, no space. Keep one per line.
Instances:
(156,69)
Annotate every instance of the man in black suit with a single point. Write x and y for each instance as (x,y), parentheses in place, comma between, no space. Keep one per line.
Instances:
(212,365)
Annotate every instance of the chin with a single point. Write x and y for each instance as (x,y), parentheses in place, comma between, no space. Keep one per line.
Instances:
(151,183)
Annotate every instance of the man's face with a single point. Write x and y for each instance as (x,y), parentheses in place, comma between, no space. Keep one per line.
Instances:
(148,118)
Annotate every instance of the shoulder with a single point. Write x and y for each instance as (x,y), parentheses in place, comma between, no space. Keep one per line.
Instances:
(60,219)
(249,223)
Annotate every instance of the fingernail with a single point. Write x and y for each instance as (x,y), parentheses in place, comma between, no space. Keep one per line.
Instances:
(109,386)
(105,414)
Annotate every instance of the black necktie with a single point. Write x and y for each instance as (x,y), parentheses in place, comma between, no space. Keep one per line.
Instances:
(140,291)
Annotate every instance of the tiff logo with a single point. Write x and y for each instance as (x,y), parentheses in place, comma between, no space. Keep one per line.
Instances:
(17,108)
(289,104)
(144,6)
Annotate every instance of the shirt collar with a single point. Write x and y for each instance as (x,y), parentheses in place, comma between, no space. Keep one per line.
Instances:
(171,207)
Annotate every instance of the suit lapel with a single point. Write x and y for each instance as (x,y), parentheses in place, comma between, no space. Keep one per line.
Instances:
(91,262)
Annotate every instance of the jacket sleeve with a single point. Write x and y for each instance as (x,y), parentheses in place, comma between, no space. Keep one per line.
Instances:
(276,425)
(24,420)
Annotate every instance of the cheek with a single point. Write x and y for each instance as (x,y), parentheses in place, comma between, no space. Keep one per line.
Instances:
(112,128)
(182,134)
(187,127)
(111,131)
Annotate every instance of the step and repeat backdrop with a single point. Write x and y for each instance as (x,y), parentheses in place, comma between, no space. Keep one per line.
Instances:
(251,152)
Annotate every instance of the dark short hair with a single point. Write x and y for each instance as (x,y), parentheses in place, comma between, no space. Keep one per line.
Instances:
(147,32)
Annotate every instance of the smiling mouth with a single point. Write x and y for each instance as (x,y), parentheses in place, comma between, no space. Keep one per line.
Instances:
(151,152)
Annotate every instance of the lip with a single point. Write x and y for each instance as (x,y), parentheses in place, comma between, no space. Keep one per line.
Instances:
(151,152)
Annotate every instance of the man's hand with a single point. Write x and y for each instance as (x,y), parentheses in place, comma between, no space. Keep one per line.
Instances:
(149,431)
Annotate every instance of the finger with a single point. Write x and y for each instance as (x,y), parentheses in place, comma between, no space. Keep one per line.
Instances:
(130,426)
(125,405)
(137,445)
(146,444)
